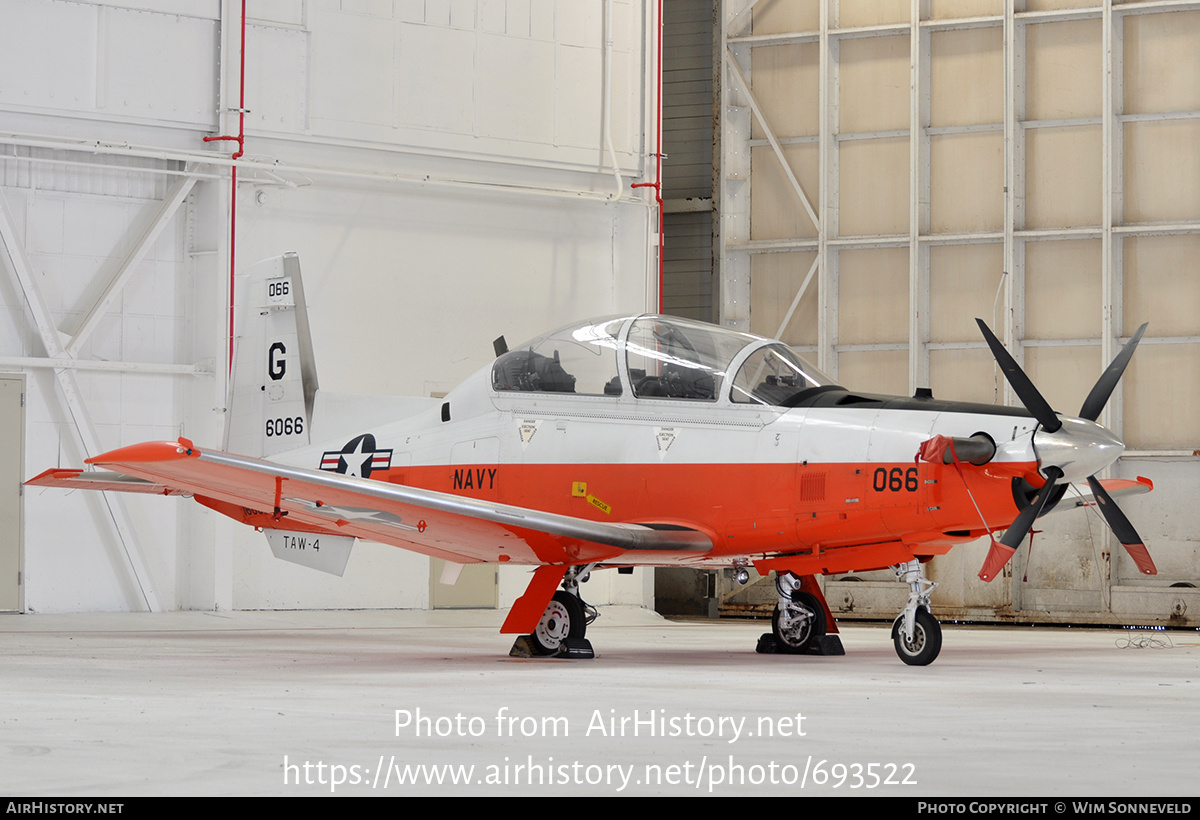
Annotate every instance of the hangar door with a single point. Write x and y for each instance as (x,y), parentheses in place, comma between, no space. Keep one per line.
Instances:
(688,162)
(892,170)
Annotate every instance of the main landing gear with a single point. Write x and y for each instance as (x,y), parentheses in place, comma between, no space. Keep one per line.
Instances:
(916,633)
(798,625)
(560,632)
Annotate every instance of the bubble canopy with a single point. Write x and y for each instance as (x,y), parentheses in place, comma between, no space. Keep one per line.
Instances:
(658,358)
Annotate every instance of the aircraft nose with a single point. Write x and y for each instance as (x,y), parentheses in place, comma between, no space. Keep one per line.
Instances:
(1079,448)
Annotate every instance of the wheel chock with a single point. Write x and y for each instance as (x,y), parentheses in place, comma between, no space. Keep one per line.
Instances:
(576,648)
(824,645)
(523,648)
(580,648)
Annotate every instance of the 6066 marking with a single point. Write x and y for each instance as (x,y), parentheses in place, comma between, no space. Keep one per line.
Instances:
(285,427)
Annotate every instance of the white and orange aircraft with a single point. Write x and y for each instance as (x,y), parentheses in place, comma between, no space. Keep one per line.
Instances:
(632,441)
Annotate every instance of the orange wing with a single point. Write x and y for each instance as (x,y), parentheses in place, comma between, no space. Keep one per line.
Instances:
(464,530)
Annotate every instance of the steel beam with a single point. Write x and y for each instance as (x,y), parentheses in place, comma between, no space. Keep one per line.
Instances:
(920,176)
(812,269)
(732,187)
(166,209)
(66,363)
(1011,323)
(736,20)
(747,93)
(775,146)
(827,128)
(70,396)
(1112,206)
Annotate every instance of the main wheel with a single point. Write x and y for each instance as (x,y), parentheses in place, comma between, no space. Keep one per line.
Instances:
(563,618)
(926,642)
(794,637)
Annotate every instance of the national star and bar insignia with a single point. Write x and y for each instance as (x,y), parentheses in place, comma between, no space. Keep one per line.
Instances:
(359,457)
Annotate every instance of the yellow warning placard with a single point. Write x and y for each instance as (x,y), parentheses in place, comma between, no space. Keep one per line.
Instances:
(600,505)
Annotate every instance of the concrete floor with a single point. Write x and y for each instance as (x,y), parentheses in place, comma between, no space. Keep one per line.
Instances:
(238,703)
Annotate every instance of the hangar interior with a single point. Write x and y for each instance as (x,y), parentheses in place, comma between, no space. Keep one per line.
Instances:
(861,179)
(447,172)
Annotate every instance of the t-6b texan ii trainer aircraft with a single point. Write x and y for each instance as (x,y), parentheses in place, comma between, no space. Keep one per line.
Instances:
(627,441)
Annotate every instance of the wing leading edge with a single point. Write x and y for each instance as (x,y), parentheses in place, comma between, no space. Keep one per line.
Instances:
(460,529)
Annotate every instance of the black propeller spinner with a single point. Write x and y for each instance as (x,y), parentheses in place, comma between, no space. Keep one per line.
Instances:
(1039,408)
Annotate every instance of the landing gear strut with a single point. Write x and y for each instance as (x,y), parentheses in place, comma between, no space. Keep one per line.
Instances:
(916,633)
(798,624)
(560,632)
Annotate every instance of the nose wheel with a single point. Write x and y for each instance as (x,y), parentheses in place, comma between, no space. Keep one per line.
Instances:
(926,641)
(916,633)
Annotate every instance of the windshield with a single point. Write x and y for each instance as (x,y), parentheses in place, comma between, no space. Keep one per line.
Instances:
(775,375)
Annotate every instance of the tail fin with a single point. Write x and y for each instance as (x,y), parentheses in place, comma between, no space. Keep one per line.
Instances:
(274,381)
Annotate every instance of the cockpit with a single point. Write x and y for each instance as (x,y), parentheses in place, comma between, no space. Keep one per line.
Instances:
(658,357)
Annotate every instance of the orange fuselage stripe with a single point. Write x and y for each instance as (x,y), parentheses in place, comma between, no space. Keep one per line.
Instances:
(746,508)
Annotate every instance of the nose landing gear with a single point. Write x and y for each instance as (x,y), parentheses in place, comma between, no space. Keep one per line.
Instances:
(916,633)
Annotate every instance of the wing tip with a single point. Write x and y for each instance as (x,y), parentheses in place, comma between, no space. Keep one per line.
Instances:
(51,477)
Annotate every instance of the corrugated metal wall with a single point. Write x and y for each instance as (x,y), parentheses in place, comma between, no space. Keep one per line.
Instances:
(688,169)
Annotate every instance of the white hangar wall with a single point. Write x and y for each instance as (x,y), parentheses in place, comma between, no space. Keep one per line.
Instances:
(892,169)
(444,168)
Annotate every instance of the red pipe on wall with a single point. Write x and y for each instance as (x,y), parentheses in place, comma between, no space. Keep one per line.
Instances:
(240,139)
(658,155)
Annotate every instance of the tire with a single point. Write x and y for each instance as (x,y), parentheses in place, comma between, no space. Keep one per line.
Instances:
(563,618)
(798,641)
(926,642)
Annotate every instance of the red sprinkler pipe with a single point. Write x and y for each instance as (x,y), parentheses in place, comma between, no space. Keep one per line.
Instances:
(658,156)
(240,139)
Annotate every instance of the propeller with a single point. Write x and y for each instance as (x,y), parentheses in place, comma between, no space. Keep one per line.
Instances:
(1103,388)
(1001,551)
(1079,446)
(1126,534)
(1033,400)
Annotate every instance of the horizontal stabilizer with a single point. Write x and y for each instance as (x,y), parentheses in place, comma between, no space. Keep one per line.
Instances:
(76,479)
(1115,487)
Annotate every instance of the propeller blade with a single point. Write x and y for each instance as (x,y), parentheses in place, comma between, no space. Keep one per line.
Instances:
(1022,386)
(1024,522)
(998,556)
(1126,534)
(1001,551)
(1103,388)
